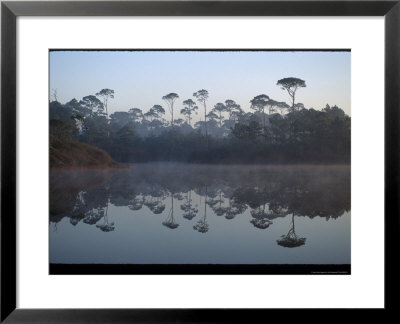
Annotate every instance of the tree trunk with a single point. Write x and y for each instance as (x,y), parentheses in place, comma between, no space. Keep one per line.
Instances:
(172,114)
(205,123)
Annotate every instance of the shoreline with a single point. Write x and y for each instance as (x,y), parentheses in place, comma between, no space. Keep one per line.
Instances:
(88,168)
(186,164)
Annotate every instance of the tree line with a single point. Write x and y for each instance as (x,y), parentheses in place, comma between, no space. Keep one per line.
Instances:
(272,132)
(306,191)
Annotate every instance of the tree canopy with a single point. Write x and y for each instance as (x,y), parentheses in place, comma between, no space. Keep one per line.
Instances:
(291,85)
(170,100)
(226,134)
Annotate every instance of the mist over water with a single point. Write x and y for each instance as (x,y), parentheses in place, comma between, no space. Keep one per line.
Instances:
(160,213)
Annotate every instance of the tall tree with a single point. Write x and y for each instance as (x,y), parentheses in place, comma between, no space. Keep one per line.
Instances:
(54,94)
(282,106)
(291,85)
(92,103)
(212,116)
(248,132)
(105,94)
(150,115)
(78,113)
(119,118)
(158,111)
(274,105)
(232,108)
(179,121)
(135,114)
(259,103)
(170,99)
(298,106)
(219,109)
(188,109)
(202,96)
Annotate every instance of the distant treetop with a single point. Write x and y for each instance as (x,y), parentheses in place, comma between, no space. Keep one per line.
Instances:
(291,85)
(201,95)
(171,96)
(106,92)
(286,83)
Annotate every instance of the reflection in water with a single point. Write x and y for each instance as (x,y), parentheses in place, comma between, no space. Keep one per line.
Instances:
(269,192)
(197,194)
(202,225)
(105,226)
(169,222)
(189,211)
(290,239)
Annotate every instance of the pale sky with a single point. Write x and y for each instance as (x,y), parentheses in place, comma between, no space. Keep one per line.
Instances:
(141,78)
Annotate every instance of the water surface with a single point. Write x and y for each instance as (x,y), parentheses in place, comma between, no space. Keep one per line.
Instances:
(201,214)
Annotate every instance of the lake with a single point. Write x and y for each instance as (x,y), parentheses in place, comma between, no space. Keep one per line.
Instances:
(201,214)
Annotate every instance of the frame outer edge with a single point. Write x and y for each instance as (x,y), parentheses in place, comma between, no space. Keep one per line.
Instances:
(203,8)
(8,162)
(8,156)
(392,147)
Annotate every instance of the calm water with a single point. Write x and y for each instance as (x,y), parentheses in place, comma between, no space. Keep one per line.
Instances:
(180,214)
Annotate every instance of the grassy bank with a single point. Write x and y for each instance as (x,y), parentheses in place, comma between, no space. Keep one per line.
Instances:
(73,155)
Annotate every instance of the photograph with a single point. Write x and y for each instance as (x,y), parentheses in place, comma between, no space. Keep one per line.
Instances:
(200,161)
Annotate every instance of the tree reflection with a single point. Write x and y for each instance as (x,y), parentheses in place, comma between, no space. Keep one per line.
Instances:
(79,209)
(189,212)
(155,205)
(269,192)
(106,226)
(136,203)
(291,240)
(170,222)
(202,225)
(216,204)
(234,208)
(260,217)
(154,201)
(93,215)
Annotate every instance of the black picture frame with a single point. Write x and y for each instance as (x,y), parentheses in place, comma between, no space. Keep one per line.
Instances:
(10,10)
